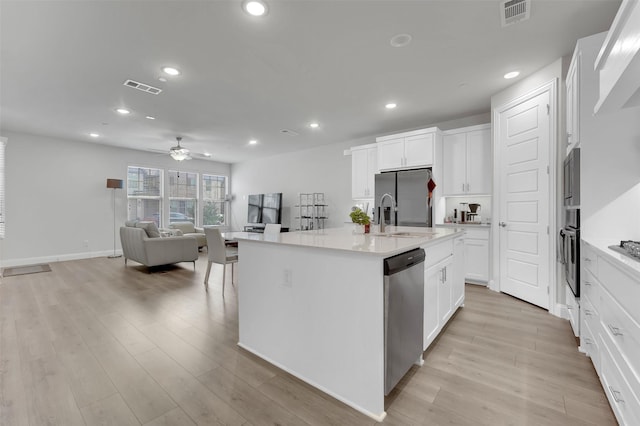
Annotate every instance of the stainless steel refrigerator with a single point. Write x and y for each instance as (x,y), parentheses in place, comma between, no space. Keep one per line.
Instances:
(409,189)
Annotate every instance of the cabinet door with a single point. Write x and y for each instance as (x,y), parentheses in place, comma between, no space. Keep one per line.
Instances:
(573,103)
(372,169)
(457,284)
(479,162)
(359,171)
(476,260)
(391,154)
(573,309)
(432,277)
(418,150)
(445,304)
(454,163)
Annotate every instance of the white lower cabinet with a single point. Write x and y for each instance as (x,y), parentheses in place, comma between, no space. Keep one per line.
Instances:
(610,330)
(431,283)
(573,308)
(476,255)
(457,285)
(443,286)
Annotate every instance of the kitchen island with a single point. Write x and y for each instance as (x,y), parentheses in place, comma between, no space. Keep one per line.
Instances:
(312,303)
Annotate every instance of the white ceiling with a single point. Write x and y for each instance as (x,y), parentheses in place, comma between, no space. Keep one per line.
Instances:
(63,65)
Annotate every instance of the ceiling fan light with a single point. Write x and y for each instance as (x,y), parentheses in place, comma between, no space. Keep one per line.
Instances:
(179,154)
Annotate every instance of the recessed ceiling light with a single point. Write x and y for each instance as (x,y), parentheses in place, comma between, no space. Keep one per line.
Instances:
(314,125)
(253,142)
(390,105)
(150,117)
(512,74)
(207,154)
(94,135)
(255,7)
(123,111)
(400,40)
(171,71)
(162,79)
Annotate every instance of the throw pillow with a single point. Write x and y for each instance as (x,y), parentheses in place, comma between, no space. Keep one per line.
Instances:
(131,223)
(150,228)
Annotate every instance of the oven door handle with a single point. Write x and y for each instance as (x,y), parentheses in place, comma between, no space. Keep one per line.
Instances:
(561,250)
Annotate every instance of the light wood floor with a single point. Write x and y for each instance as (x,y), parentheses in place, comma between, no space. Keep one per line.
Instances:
(94,342)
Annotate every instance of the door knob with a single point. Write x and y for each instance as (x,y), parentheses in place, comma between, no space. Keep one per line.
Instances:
(502,224)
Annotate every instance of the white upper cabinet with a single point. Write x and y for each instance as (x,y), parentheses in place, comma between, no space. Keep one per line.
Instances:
(364,161)
(573,102)
(407,150)
(466,164)
(618,62)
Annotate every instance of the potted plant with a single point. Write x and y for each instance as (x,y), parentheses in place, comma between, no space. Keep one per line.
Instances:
(358,216)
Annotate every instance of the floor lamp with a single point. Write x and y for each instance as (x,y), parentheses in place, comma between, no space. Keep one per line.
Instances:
(114,184)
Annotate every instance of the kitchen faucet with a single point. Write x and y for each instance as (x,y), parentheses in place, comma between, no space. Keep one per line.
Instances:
(381,212)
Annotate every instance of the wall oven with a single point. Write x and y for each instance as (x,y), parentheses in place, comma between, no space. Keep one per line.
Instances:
(571,181)
(569,248)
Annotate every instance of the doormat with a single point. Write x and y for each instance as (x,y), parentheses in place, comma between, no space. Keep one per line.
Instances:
(28,269)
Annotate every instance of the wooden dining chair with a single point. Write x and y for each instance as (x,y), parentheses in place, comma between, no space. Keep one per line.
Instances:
(218,252)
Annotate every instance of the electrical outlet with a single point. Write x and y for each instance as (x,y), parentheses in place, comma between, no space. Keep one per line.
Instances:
(85,243)
(288,278)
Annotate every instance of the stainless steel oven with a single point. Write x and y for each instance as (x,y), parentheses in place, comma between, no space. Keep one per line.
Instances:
(569,249)
(571,179)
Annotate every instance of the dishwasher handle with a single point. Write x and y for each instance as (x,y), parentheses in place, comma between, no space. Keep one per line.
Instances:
(402,261)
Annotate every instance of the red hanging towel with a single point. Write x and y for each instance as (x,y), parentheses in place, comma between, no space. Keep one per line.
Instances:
(431,185)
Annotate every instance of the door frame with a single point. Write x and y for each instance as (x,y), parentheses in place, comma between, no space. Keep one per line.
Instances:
(494,281)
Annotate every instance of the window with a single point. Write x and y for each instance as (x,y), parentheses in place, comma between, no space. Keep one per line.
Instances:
(214,191)
(144,194)
(3,143)
(183,196)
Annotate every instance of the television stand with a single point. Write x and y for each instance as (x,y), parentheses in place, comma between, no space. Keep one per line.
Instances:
(260,229)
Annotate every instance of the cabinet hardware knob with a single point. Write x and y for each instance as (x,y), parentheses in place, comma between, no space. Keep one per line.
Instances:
(503,224)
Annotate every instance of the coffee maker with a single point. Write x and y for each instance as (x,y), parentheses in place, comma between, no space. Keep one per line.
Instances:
(473,215)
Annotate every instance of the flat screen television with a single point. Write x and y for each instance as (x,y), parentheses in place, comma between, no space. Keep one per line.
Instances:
(265,208)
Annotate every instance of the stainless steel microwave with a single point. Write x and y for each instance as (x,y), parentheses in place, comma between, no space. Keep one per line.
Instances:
(572,179)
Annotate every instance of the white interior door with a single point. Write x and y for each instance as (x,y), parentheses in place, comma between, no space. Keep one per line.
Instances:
(523,133)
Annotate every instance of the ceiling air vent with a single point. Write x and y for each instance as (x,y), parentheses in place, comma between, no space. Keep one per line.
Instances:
(143,87)
(512,11)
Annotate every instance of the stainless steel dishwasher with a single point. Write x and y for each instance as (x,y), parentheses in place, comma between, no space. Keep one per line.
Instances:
(403,314)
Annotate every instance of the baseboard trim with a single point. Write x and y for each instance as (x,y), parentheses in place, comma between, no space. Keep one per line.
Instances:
(56,258)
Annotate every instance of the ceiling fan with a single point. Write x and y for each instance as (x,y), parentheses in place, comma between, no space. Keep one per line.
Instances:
(179,153)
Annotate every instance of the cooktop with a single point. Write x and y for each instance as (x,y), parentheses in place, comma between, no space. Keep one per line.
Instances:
(628,248)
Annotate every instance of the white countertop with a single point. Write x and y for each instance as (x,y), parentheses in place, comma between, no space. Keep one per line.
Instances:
(345,239)
(627,263)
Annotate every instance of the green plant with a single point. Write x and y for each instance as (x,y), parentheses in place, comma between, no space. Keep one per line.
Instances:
(359,216)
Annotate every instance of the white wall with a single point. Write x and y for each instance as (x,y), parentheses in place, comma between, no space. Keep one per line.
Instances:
(57,197)
(323,169)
